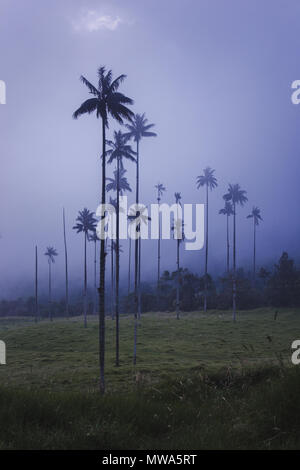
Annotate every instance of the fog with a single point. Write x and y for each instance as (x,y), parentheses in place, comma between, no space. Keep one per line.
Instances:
(215,78)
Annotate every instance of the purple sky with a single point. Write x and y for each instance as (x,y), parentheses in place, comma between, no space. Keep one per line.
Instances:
(214,76)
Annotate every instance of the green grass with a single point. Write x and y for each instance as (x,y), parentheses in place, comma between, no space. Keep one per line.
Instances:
(200,382)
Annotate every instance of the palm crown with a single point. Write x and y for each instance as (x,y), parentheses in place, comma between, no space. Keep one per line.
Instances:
(160,190)
(119,148)
(178,198)
(123,183)
(85,222)
(227,209)
(236,194)
(139,128)
(51,253)
(207,179)
(255,214)
(106,98)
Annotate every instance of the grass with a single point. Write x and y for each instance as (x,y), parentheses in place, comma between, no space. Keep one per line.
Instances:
(201,382)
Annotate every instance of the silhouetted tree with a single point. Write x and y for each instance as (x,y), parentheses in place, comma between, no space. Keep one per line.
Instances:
(255,215)
(66,264)
(238,197)
(94,238)
(50,253)
(160,190)
(119,150)
(85,223)
(228,211)
(106,100)
(179,236)
(210,182)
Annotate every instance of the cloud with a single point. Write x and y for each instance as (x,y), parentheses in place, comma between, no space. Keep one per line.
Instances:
(94,21)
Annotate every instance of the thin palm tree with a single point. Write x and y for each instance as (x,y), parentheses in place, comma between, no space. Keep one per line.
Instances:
(255,215)
(118,150)
(238,197)
(179,235)
(106,101)
(228,211)
(160,190)
(66,264)
(36,286)
(138,129)
(94,238)
(136,217)
(50,253)
(86,223)
(210,182)
(113,249)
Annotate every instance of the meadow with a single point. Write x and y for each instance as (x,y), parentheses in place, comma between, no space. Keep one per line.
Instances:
(200,382)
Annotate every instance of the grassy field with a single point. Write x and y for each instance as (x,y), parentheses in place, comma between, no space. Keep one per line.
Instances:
(200,382)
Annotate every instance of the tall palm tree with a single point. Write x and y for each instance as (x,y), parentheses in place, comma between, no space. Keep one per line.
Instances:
(119,150)
(138,129)
(113,249)
(178,228)
(210,182)
(106,101)
(50,253)
(160,190)
(228,211)
(255,215)
(36,286)
(238,197)
(86,223)
(136,218)
(66,264)
(94,238)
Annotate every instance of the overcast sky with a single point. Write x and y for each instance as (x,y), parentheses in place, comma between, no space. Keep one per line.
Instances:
(214,76)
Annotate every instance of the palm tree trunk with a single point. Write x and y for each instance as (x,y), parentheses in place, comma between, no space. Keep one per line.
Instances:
(158,259)
(177,283)
(66,264)
(206,253)
(254,251)
(139,279)
(234,266)
(129,266)
(136,261)
(228,247)
(50,301)
(36,286)
(85,284)
(112,284)
(117,263)
(102,279)
(95,278)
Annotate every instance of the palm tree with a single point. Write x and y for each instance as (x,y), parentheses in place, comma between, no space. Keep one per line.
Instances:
(138,129)
(136,218)
(210,182)
(119,149)
(255,215)
(178,228)
(238,197)
(228,211)
(113,249)
(106,100)
(94,238)
(160,190)
(36,286)
(85,223)
(66,264)
(50,253)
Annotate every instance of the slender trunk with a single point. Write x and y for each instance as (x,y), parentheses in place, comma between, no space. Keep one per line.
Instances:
(50,300)
(36,286)
(136,261)
(102,279)
(234,265)
(139,279)
(129,266)
(112,304)
(85,284)
(254,251)
(95,278)
(206,253)
(158,257)
(228,247)
(177,283)
(117,263)
(66,264)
